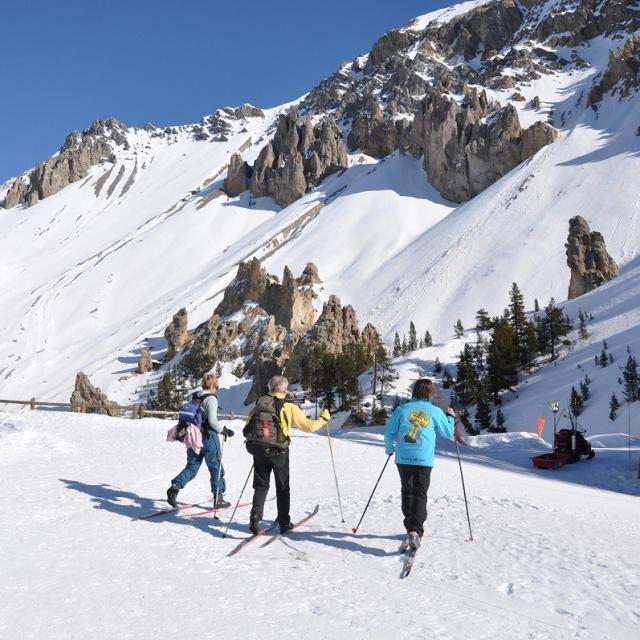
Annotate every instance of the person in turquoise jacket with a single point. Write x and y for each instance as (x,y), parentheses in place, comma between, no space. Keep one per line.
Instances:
(410,433)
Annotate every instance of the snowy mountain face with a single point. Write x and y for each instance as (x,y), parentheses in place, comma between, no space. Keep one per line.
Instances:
(422,179)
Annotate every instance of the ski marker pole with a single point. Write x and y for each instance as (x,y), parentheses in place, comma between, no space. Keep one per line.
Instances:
(355,529)
(215,497)
(333,464)
(464,491)
(244,486)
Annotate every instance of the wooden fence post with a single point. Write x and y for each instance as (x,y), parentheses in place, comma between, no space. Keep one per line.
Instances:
(33,403)
(134,412)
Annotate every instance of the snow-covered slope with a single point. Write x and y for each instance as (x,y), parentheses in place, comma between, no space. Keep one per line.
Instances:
(549,560)
(93,273)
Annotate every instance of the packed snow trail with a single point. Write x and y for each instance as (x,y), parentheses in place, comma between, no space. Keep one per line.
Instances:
(551,559)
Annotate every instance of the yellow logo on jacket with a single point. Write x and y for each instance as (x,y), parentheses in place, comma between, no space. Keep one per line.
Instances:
(418,420)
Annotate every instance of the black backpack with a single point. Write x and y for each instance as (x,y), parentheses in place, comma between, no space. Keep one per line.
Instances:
(264,424)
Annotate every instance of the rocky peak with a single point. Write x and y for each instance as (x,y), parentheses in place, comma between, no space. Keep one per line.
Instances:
(249,284)
(587,257)
(78,154)
(288,302)
(309,275)
(297,159)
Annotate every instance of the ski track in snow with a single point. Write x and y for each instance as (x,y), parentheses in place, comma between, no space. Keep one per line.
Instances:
(550,559)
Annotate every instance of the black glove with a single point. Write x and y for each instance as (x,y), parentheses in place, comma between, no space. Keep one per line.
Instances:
(227,433)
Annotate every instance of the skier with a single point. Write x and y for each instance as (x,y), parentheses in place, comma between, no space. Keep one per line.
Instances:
(210,453)
(267,434)
(410,433)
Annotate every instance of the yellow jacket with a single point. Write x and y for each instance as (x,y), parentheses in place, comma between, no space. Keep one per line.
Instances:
(291,416)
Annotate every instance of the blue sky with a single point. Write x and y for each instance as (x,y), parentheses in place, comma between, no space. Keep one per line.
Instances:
(64,64)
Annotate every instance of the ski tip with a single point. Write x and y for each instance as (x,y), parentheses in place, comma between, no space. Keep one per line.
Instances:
(354,529)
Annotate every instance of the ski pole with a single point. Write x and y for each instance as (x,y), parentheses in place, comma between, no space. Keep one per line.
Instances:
(215,498)
(333,464)
(464,491)
(244,486)
(355,529)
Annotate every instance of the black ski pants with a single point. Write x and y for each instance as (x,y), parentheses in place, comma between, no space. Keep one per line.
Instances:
(266,460)
(415,485)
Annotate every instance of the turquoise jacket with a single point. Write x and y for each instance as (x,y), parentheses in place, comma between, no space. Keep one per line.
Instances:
(411,432)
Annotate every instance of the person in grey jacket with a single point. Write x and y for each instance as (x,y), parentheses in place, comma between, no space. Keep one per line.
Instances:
(210,453)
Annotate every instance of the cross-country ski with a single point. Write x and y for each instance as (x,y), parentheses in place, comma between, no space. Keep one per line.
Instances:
(293,527)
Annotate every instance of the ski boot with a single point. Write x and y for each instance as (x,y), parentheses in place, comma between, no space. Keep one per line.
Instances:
(414,540)
(254,523)
(404,545)
(285,528)
(172,496)
(220,503)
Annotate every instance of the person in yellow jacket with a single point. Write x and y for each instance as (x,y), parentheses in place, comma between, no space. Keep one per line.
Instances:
(267,433)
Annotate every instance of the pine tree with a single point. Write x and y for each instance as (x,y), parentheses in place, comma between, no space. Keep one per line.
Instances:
(502,359)
(500,428)
(421,344)
(536,305)
(483,411)
(630,375)
(412,343)
(483,321)
(584,391)
(405,346)
(218,370)
(458,329)
(428,340)
(551,327)
(165,393)
(518,322)
(603,361)
(614,405)
(397,347)
(467,378)
(610,357)
(437,366)
(583,334)
(447,379)
(576,403)
(605,346)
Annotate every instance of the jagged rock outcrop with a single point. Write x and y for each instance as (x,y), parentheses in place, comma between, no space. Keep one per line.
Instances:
(85,393)
(309,275)
(78,154)
(271,325)
(245,110)
(468,147)
(289,304)
(176,333)
(238,176)
(335,329)
(587,257)
(249,284)
(622,74)
(297,159)
(145,364)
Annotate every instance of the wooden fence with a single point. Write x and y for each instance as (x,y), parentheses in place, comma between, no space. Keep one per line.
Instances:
(136,411)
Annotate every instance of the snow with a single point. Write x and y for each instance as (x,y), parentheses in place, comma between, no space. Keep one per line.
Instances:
(552,557)
(440,16)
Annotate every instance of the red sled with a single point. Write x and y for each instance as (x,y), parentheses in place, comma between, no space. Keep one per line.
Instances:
(551,460)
